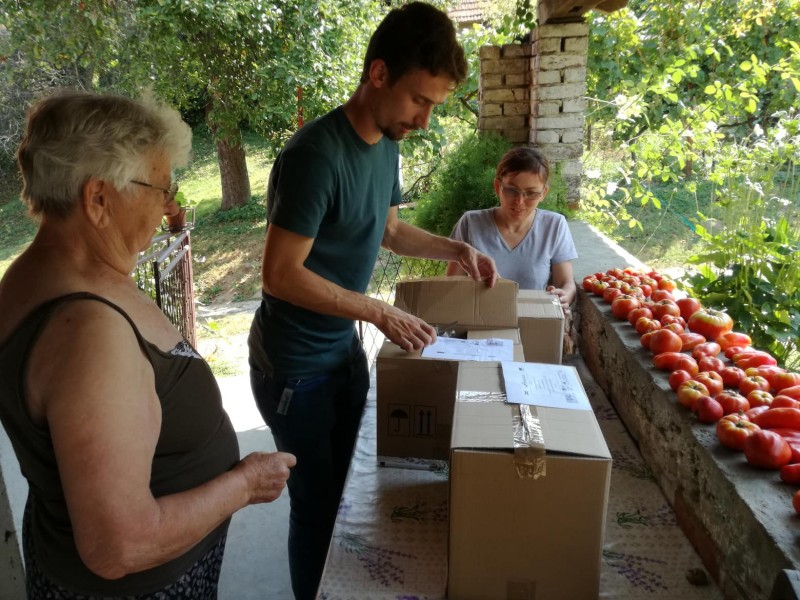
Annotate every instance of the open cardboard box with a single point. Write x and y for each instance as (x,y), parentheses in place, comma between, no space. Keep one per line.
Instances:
(415,395)
(515,536)
(541,326)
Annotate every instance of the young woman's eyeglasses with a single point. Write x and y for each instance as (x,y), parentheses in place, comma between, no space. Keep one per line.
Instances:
(169,194)
(515,194)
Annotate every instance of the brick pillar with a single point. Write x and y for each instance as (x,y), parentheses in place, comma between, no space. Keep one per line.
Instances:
(535,94)
(504,91)
(558,90)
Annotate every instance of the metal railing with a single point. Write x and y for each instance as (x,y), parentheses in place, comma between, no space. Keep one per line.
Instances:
(164,272)
(389,269)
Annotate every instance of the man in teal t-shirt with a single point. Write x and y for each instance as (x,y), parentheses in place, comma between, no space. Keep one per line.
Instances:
(332,202)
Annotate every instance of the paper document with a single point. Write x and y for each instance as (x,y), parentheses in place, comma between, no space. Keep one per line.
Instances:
(554,386)
(458,349)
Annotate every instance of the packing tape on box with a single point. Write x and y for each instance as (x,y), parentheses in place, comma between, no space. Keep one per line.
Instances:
(472,396)
(529,448)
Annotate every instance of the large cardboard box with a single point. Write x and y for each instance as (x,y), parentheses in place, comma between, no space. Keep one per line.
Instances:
(541,326)
(512,535)
(415,395)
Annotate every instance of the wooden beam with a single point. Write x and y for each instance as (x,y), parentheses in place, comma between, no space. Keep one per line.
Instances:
(561,11)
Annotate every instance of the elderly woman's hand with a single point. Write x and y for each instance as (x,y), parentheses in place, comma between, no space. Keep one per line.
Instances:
(266,474)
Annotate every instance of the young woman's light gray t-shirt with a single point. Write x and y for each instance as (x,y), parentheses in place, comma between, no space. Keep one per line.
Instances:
(548,242)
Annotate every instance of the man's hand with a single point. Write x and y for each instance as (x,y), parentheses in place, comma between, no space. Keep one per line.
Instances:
(407,331)
(477,265)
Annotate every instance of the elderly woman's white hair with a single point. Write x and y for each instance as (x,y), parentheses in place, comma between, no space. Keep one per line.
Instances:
(73,135)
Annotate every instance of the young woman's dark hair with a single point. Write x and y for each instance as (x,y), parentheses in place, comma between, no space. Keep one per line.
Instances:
(523,159)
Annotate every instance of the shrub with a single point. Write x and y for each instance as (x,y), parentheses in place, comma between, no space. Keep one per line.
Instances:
(462,182)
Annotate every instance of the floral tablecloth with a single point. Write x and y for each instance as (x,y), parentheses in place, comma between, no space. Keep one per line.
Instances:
(390,539)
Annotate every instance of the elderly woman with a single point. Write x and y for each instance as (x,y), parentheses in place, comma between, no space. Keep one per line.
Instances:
(132,463)
(529,245)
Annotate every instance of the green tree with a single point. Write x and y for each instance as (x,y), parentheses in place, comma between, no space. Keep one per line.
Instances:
(241,61)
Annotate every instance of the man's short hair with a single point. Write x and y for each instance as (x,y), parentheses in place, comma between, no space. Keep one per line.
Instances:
(416,36)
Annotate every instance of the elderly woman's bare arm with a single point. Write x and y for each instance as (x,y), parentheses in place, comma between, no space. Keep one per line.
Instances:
(90,382)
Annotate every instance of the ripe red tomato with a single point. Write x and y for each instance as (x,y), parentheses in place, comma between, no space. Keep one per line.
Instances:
(588,282)
(712,380)
(675,328)
(707,409)
(611,292)
(659,294)
(664,340)
(688,364)
(796,501)
(624,304)
(731,376)
(732,402)
(781,401)
(767,450)
(638,313)
(781,381)
(754,359)
(791,474)
(710,363)
(759,398)
(689,391)
(734,429)
(677,377)
(688,306)
(643,325)
(785,418)
(706,349)
(665,283)
(753,382)
(665,361)
(668,318)
(598,287)
(665,307)
(691,340)
(732,351)
(792,392)
(734,338)
(710,323)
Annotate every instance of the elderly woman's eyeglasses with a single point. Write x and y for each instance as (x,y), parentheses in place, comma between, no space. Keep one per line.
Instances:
(169,194)
(515,194)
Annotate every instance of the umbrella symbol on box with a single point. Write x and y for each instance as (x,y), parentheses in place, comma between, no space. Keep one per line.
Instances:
(398,420)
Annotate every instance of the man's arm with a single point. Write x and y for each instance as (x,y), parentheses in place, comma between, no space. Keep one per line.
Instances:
(285,276)
(407,240)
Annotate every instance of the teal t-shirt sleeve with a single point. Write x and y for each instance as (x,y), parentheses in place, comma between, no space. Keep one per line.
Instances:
(303,191)
(397,195)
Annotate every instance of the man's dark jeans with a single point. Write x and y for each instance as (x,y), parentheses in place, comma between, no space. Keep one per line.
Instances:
(319,425)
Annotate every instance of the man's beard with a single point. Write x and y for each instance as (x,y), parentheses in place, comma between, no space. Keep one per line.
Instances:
(396,133)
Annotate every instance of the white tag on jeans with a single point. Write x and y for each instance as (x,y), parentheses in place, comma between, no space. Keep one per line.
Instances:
(286,397)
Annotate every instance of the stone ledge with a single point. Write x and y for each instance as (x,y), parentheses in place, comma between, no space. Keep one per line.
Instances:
(739,519)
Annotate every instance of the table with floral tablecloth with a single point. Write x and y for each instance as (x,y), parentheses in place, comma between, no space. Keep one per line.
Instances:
(390,539)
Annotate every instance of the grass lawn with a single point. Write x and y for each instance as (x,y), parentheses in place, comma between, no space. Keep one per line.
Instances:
(667,237)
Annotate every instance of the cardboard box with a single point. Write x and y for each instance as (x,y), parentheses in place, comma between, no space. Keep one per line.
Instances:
(415,395)
(471,304)
(541,326)
(516,537)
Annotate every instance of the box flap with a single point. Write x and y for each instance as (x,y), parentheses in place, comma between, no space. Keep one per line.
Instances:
(482,419)
(442,300)
(539,310)
(535,296)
